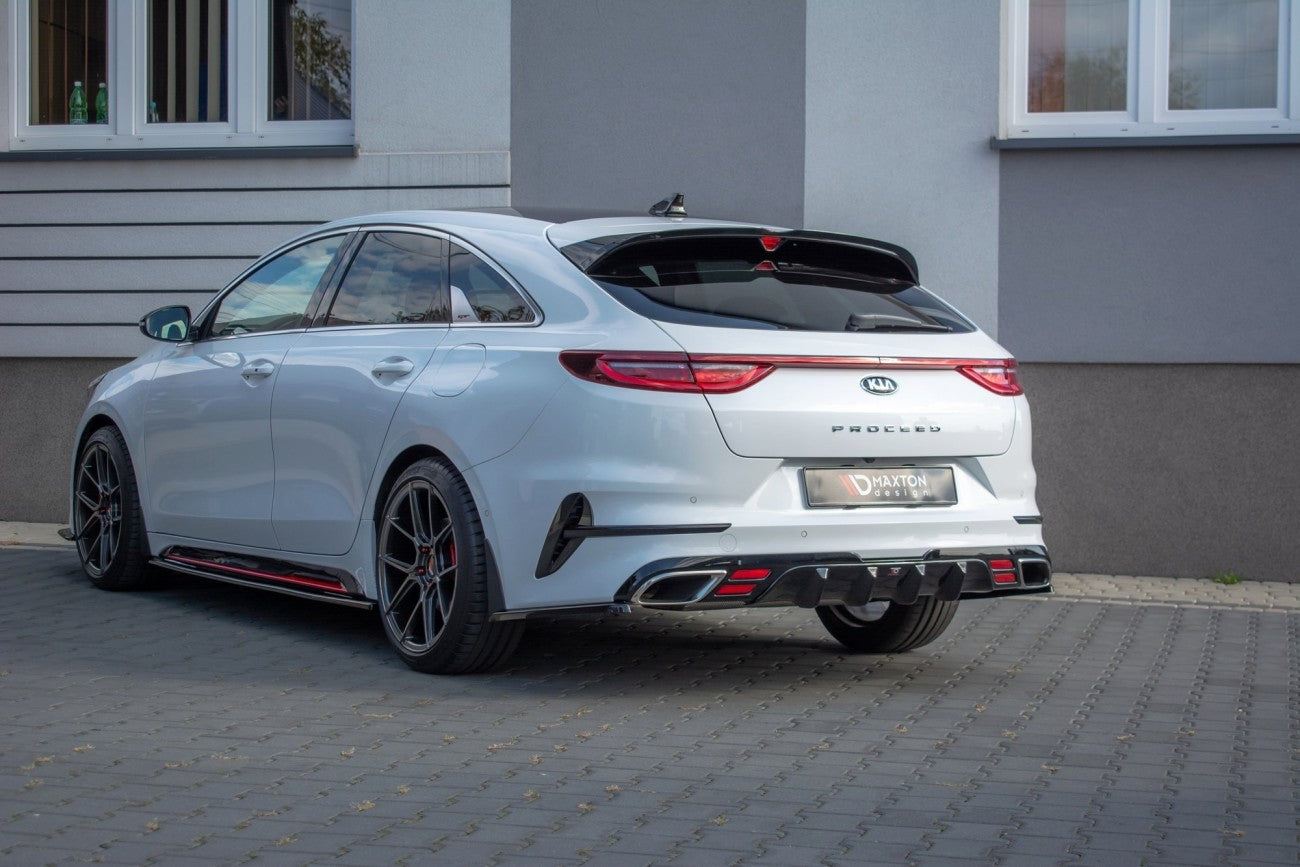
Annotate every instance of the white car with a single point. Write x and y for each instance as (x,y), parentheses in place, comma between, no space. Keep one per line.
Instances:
(463,418)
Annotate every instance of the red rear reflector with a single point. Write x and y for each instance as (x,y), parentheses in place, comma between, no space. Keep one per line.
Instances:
(664,371)
(998,376)
(770,242)
(765,265)
(1001,565)
(1004,577)
(734,589)
(750,574)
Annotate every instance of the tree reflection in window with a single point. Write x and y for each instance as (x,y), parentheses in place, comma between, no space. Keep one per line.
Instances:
(311,60)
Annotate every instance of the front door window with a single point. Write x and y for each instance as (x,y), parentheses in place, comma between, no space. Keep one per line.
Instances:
(275,297)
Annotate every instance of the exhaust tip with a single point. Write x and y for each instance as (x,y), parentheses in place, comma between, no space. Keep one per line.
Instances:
(1035,573)
(675,589)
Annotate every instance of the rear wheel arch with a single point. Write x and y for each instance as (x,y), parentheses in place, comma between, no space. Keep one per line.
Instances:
(399,465)
(434,572)
(404,461)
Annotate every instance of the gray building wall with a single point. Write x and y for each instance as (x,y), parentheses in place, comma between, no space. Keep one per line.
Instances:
(1149,256)
(902,98)
(619,103)
(88,246)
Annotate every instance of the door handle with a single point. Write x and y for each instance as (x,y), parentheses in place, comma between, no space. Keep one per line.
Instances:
(258,370)
(396,366)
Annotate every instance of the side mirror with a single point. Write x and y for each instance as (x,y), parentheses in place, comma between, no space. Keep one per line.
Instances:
(167,323)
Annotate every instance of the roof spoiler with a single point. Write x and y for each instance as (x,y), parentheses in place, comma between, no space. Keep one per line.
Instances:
(590,255)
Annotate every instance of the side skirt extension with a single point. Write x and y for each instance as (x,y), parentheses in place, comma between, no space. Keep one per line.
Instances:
(278,576)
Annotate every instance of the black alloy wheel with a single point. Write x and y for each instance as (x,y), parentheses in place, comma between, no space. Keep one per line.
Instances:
(433,577)
(106,521)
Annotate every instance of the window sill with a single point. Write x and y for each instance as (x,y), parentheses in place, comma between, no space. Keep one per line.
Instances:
(1148,141)
(269,152)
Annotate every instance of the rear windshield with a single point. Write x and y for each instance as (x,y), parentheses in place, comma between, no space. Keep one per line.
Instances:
(803,285)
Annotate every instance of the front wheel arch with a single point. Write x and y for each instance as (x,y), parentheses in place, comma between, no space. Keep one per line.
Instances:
(105,506)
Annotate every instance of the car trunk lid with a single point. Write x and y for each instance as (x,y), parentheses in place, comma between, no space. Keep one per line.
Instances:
(851,357)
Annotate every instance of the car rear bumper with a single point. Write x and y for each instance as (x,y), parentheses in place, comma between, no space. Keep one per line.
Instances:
(810,580)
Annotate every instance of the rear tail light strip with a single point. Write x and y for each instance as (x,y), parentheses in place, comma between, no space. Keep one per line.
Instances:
(724,374)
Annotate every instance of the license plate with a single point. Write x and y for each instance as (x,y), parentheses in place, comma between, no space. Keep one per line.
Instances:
(880,486)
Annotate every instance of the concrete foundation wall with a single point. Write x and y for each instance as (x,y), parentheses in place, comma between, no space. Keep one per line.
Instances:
(41,400)
(1179,470)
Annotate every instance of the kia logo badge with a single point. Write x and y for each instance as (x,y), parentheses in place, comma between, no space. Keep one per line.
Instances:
(879,385)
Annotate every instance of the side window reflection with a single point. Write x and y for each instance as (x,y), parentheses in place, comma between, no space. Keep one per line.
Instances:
(275,296)
(395,278)
(480,294)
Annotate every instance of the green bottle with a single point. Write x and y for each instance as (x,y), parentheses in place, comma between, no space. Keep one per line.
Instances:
(101,104)
(77,104)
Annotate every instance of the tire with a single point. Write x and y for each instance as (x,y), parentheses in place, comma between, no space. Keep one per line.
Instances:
(106,521)
(896,628)
(431,566)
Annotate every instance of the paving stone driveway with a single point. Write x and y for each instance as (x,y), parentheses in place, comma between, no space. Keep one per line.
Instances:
(200,721)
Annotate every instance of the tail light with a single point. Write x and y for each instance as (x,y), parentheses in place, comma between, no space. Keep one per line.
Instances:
(664,371)
(997,376)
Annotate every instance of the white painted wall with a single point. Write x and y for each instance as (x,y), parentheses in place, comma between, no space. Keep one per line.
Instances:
(432,75)
(5,98)
(902,97)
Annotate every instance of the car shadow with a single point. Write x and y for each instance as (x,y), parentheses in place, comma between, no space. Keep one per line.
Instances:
(242,635)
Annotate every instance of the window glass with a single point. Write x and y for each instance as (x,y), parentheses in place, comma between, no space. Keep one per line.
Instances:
(1078,55)
(1223,54)
(311,60)
(733,282)
(69,45)
(188,50)
(480,294)
(396,277)
(276,295)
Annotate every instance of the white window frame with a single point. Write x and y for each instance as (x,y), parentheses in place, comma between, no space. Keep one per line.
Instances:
(1148,85)
(248,91)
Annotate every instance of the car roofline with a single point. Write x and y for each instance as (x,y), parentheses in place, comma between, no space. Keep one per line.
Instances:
(581,226)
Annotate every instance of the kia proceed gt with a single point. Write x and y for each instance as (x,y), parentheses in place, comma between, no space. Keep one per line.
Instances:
(460,419)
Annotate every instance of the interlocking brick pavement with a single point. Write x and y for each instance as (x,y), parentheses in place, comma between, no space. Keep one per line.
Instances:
(1119,721)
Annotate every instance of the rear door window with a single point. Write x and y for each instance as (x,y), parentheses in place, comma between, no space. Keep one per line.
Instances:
(801,285)
(395,278)
(479,293)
